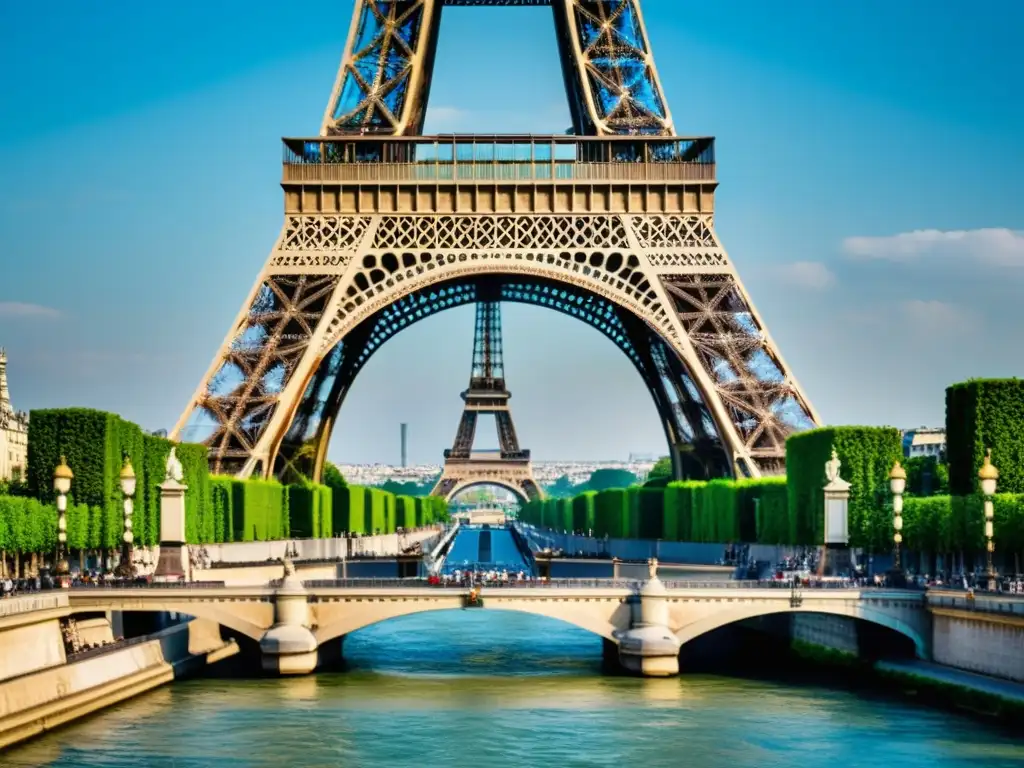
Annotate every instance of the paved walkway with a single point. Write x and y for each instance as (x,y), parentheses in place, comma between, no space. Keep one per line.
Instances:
(1006,689)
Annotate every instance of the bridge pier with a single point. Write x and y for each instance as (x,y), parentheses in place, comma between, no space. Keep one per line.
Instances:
(649,647)
(288,647)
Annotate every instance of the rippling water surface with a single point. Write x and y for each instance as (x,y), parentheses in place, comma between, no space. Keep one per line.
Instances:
(481,688)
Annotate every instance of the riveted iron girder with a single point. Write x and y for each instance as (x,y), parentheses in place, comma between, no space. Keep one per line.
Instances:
(383,84)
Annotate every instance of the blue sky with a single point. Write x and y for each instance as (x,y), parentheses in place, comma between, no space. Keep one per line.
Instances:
(870,163)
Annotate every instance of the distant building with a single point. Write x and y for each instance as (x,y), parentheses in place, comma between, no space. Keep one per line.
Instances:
(924,441)
(13,431)
(159,433)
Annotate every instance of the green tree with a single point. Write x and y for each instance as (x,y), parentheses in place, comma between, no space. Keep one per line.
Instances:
(333,478)
(662,468)
(562,488)
(926,476)
(606,479)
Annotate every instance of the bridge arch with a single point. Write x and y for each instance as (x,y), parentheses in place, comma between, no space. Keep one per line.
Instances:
(471,483)
(246,617)
(691,630)
(604,617)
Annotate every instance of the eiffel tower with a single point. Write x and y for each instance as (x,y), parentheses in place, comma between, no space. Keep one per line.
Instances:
(509,466)
(612,224)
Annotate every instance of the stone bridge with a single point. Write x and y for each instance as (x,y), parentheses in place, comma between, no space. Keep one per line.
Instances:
(648,622)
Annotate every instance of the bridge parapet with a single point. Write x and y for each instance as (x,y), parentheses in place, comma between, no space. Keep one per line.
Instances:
(1001,603)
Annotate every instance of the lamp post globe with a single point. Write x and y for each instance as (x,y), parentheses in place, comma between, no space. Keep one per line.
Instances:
(897,479)
(988,475)
(127,479)
(62,477)
(897,485)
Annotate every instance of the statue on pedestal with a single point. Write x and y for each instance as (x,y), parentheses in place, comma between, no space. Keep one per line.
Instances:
(174,471)
(832,467)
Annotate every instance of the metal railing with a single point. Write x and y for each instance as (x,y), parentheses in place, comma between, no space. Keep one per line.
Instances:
(980,601)
(370,583)
(417,582)
(504,172)
(109,585)
(101,650)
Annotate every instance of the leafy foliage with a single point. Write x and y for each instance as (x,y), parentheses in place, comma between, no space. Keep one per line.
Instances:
(661,470)
(867,455)
(926,476)
(982,414)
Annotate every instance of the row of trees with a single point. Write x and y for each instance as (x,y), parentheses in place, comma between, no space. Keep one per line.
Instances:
(600,480)
(218,509)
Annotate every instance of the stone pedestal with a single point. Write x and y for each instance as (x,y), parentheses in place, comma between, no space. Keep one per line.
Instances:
(650,648)
(173,562)
(288,647)
(837,560)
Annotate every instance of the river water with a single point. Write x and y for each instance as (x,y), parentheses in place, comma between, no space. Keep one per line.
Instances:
(485,547)
(479,688)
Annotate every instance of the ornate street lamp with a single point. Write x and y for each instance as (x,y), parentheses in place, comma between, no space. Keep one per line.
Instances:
(62,477)
(897,484)
(127,478)
(987,477)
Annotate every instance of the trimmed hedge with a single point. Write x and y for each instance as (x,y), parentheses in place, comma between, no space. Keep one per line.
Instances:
(763,510)
(939,524)
(867,455)
(310,511)
(94,444)
(583,512)
(259,507)
(611,513)
(982,414)
(406,506)
(220,509)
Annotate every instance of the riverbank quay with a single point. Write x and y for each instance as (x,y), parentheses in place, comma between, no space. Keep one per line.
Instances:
(938,685)
(923,682)
(40,700)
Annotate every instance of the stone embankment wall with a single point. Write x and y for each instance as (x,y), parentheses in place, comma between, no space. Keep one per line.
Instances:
(253,575)
(30,634)
(983,634)
(837,633)
(38,701)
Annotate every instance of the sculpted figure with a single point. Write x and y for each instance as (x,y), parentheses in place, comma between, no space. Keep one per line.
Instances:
(832,467)
(174,469)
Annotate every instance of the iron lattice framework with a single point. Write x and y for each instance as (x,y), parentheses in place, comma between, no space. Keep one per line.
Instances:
(384,81)
(487,394)
(384,227)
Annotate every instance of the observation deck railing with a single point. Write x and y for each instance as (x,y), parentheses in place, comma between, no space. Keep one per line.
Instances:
(471,172)
(472,159)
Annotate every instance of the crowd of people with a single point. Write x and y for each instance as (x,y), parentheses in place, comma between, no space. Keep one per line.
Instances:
(45,581)
(471,577)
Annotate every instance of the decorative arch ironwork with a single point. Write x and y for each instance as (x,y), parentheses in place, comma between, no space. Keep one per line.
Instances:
(695,443)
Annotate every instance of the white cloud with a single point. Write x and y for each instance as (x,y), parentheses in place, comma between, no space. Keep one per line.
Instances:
(21,309)
(807,274)
(931,315)
(999,247)
(923,318)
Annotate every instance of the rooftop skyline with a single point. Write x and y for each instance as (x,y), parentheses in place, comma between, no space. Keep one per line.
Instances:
(869,199)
